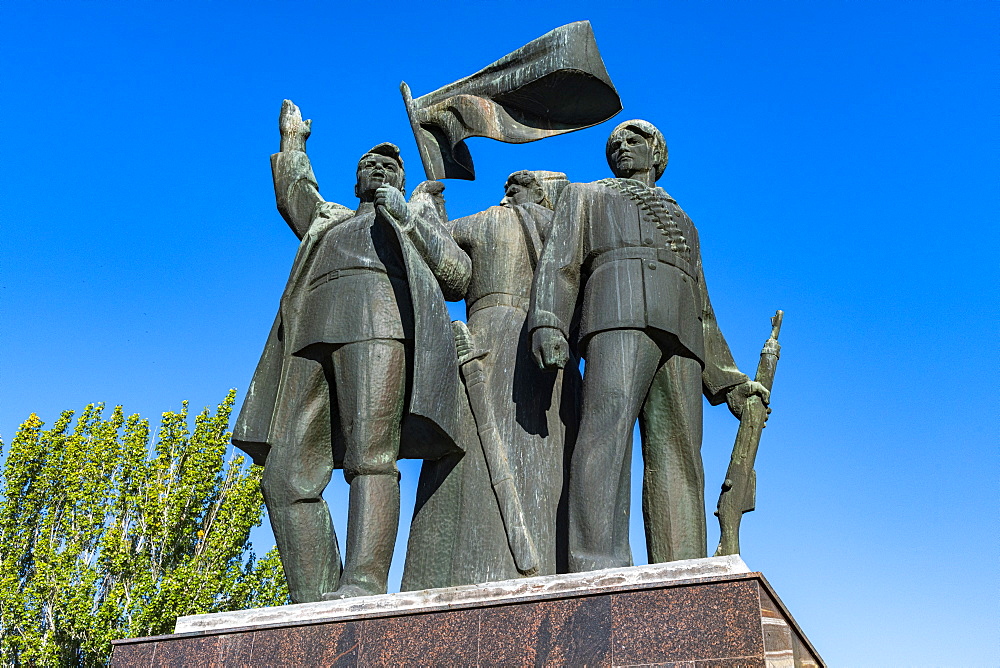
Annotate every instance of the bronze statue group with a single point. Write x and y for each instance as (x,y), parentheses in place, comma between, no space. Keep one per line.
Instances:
(527,464)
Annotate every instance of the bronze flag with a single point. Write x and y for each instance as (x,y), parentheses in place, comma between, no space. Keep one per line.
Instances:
(554,84)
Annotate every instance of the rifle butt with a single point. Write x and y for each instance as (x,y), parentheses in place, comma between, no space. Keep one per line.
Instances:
(739,491)
(730,512)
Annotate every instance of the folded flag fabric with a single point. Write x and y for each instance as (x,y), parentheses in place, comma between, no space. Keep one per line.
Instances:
(552,85)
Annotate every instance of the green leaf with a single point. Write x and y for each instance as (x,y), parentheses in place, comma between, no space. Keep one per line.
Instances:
(107,533)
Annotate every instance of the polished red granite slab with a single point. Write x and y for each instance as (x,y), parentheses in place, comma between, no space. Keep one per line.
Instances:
(713,622)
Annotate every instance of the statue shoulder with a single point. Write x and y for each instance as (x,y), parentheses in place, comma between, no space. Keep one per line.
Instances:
(473,220)
(325,216)
(582,192)
(332,211)
(665,195)
(536,210)
(599,185)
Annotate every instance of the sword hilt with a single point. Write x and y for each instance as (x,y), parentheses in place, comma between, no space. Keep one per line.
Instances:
(465,344)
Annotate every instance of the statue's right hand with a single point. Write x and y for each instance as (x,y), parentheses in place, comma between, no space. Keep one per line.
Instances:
(549,348)
(294,131)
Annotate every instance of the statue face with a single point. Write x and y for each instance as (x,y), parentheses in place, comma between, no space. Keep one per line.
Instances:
(523,190)
(631,153)
(375,171)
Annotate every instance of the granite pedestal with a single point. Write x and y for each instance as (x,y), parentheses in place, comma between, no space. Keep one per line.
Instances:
(700,613)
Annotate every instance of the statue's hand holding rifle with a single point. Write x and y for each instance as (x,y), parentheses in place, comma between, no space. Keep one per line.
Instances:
(748,402)
(738,396)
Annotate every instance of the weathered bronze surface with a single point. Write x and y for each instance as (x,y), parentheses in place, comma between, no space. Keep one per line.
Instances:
(460,533)
(649,336)
(526,466)
(554,84)
(359,368)
(739,491)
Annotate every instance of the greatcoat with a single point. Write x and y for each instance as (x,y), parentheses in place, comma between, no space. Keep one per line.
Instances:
(434,267)
(457,535)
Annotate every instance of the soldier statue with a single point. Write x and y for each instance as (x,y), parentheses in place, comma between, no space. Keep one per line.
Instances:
(458,535)
(652,347)
(359,368)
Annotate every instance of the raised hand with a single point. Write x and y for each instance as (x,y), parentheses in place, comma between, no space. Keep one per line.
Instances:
(294,131)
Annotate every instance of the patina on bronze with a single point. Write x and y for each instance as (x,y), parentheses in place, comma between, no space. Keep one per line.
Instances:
(652,346)
(554,84)
(496,453)
(459,534)
(739,491)
(359,368)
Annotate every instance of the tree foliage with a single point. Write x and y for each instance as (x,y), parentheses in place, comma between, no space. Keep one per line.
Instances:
(102,537)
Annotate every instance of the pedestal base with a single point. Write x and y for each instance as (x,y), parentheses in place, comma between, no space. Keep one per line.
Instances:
(701,613)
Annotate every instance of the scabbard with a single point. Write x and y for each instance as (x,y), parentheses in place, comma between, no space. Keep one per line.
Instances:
(522,546)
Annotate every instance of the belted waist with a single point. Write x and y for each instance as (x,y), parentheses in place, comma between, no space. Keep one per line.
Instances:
(662,255)
(497,299)
(353,271)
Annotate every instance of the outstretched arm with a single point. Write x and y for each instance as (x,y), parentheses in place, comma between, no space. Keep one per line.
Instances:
(295,188)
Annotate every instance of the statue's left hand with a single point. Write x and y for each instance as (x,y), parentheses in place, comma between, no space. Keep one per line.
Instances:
(390,202)
(434,188)
(737,396)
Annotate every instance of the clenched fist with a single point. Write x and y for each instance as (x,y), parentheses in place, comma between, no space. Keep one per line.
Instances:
(549,348)
(390,202)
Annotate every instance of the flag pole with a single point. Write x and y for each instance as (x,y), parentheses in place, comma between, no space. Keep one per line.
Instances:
(425,157)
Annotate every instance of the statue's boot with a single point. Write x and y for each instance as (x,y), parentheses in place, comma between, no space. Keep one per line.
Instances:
(308,546)
(372,523)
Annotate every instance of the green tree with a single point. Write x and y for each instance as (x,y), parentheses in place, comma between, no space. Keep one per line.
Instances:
(102,537)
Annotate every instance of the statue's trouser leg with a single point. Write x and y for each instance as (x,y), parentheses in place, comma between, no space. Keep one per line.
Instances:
(298,470)
(370,378)
(620,368)
(673,490)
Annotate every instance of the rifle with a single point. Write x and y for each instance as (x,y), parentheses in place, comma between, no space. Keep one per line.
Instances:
(739,491)
(522,546)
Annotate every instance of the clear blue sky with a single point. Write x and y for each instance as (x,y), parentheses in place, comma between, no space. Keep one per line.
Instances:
(839,159)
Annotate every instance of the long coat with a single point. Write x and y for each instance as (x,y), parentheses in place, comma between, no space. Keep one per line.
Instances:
(457,535)
(437,405)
